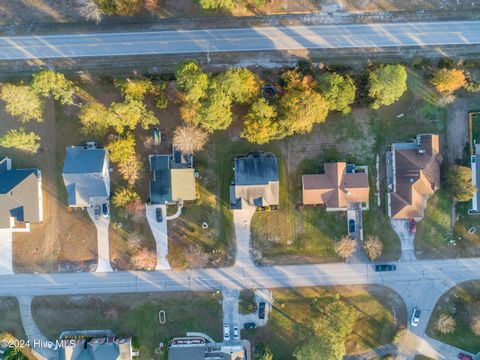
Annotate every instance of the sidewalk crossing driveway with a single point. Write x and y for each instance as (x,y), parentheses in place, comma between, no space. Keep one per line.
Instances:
(6,251)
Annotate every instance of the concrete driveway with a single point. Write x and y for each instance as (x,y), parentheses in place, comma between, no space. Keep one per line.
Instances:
(102,224)
(242,220)
(406,239)
(160,233)
(6,251)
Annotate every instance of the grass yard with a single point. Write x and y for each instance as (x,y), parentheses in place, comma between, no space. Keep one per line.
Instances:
(456,303)
(289,325)
(131,315)
(10,321)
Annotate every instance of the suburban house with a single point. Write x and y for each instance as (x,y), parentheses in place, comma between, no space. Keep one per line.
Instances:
(21,200)
(341,186)
(196,348)
(105,348)
(173,178)
(414,172)
(475,164)
(86,175)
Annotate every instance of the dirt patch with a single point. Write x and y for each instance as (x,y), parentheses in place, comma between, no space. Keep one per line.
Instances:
(457,129)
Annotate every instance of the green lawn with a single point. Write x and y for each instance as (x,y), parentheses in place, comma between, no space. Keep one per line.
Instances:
(289,323)
(10,319)
(131,315)
(456,303)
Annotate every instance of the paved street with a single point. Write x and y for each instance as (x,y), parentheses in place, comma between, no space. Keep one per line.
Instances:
(248,39)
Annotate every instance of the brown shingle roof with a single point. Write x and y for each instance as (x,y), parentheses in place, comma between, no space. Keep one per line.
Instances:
(335,188)
(417,176)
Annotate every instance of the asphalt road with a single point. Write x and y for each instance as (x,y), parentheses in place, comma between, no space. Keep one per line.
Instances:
(247,39)
(449,272)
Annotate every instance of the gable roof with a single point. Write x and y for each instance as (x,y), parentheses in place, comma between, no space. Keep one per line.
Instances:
(417,176)
(19,196)
(98,349)
(83,175)
(256,181)
(336,188)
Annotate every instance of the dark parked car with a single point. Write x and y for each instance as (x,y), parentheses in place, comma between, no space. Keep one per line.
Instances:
(351,226)
(463,356)
(158,214)
(412,226)
(385,267)
(105,210)
(249,325)
(261,310)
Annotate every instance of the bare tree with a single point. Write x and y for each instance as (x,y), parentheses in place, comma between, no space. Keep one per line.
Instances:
(136,209)
(131,170)
(89,10)
(445,324)
(144,259)
(189,139)
(373,247)
(345,247)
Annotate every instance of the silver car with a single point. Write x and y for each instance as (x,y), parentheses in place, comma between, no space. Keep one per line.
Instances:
(415,317)
(226,332)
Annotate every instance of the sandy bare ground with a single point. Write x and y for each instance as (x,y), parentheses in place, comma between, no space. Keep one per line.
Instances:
(457,129)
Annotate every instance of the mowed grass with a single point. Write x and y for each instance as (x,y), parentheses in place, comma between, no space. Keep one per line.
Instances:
(10,319)
(290,320)
(131,315)
(455,303)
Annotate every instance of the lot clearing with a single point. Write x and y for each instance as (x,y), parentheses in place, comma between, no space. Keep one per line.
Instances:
(380,314)
(133,315)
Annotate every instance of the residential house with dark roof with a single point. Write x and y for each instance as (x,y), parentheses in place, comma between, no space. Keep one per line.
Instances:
(108,348)
(338,188)
(256,181)
(196,348)
(86,175)
(20,197)
(415,176)
(173,178)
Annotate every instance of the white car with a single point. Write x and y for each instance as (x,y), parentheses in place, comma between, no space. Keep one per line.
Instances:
(226,332)
(236,333)
(415,317)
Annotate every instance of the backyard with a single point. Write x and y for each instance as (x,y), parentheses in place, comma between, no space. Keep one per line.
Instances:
(131,315)
(460,302)
(377,314)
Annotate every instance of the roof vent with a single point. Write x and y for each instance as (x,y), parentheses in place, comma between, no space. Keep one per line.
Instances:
(411,180)
(421,151)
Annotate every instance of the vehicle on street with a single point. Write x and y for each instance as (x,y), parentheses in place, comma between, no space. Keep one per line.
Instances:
(261,310)
(105,210)
(96,211)
(384,267)
(158,214)
(236,333)
(412,226)
(226,332)
(415,317)
(250,325)
(463,356)
(351,226)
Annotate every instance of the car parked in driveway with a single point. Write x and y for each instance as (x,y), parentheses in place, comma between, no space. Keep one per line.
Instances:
(236,333)
(412,226)
(105,210)
(463,356)
(415,317)
(250,325)
(96,211)
(261,310)
(351,226)
(226,332)
(384,267)
(158,214)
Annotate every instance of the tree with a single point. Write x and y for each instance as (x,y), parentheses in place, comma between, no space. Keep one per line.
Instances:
(215,4)
(459,183)
(49,82)
(445,324)
(123,196)
(240,84)
(13,354)
(95,118)
(192,80)
(122,149)
(300,109)
(90,10)
(448,80)
(23,102)
(131,170)
(144,259)
(386,85)
(312,348)
(135,89)
(120,7)
(345,247)
(475,324)
(261,125)
(215,112)
(338,90)
(21,140)
(189,139)
(373,247)
(127,115)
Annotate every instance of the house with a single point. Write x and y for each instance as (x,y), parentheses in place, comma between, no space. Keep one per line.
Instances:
(256,181)
(415,173)
(104,348)
(338,188)
(86,175)
(173,178)
(475,165)
(20,196)
(196,348)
